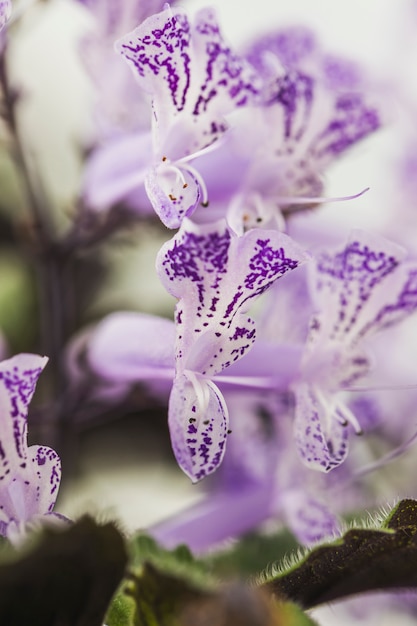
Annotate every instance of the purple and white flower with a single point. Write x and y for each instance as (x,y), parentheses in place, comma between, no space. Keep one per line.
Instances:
(29,476)
(195,80)
(360,290)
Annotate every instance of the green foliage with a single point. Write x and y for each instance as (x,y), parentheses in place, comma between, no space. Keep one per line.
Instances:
(179,562)
(67,578)
(364,559)
(173,588)
(251,554)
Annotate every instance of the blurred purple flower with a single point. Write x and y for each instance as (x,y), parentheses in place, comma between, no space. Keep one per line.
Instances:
(305,111)
(5,12)
(29,476)
(360,290)
(119,108)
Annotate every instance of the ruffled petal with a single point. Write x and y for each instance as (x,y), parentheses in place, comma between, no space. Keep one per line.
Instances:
(192,75)
(321,439)
(216,276)
(18,377)
(29,477)
(198,423)
(350,284)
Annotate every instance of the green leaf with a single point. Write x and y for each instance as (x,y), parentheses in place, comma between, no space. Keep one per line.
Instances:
(66,579)
(172,588)
(251,554)
(179,562)
(364,559)
(165,600)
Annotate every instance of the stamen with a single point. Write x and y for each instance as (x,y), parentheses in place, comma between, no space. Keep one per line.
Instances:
(200,388)
(254,382)
(315,199)
(200,181)
(381,388)
(387,458)
(345,416)
(213,146)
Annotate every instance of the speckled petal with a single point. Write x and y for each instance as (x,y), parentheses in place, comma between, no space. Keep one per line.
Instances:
(29,477)
(320,437)
(18,377)
(187,69)
(216,276)
(352,120)
(309,519)
(198,423)
(398,301)
(159,53)
(45,476)
(352,283)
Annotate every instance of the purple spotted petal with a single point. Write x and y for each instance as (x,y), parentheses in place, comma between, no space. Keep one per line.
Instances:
(5,12)
(291,46)
(351,120)
(29,477)
(46,473)
(198,423)
(172,197)
(308,518)
(192,75)
(398,301)
(350,283)
(292,94)
(216,276)
(18,377)
(320,437)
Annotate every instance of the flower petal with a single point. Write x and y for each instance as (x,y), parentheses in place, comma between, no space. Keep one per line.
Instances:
(5,12)
(308,518)
(187,69)
(129,347)
(320,437)
(18,377)
(198,423)
(45,477)
(348,285)
(172,197)
(216,276)
(116,170)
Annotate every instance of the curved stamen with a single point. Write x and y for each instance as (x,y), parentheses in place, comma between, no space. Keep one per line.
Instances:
(345,417)
(200,388)
(200,181)
(316,199)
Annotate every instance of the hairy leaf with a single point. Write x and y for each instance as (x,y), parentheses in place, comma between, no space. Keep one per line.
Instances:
(364,559)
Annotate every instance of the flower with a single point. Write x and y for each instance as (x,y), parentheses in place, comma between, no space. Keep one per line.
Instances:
(360,290)
(195,80)
(29,476)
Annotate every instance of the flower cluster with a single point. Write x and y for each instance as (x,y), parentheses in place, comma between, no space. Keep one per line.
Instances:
(270,359)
